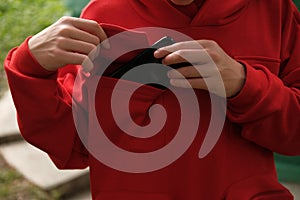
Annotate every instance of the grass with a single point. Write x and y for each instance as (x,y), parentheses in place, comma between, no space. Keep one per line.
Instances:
(13,186)
(18,20)
(21,18)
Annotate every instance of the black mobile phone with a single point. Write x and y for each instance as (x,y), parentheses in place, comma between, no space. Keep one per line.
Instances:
(153,75)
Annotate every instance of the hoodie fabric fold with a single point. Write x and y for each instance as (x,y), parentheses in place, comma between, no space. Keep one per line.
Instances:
(262,118)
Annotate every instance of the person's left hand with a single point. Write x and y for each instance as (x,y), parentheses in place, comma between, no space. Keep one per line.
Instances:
(209,63)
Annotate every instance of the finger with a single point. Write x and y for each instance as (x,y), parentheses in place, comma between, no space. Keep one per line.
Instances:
(77,59)
(91,27)
(66,57)
(76,46)
(164,51)
(195,71)
(87,65)
(78,34)
(193,56)
(197,83)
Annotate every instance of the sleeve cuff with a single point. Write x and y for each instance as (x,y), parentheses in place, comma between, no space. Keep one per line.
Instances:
(252,92)
(24,62)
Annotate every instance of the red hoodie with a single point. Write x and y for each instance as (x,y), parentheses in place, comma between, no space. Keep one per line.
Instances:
(261,119)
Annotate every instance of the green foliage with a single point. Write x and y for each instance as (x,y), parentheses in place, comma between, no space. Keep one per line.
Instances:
(14,186)
(21,18)
(18,20)
(297,2)
(75,6)
(288,168)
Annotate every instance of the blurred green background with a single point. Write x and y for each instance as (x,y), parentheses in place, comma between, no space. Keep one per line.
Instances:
(297,2)
(18,20)
(21,18)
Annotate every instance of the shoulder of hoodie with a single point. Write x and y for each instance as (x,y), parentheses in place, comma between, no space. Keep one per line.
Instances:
(295,11)
(284,9)
(99,8)
(287,8)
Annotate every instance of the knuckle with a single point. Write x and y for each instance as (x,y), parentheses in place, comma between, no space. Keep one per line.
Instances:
(170,57)
(64,30)
(213,43)
(59,41)
(95,40)
(179,54)
(91,48)
(94,23)
(54,53)
(209,43)
(180,45)
(65,19)
(213,54)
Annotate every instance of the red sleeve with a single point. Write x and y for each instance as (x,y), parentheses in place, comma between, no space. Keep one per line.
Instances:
(44,106)
(268,107)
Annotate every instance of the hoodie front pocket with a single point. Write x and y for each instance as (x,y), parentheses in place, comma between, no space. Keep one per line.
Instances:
(273,64)
(127,113)
(137,126)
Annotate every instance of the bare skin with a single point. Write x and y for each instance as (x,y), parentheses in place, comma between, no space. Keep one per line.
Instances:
(209,62)
(70,41)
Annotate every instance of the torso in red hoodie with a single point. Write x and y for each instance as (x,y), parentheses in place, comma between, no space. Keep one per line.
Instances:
(262,118)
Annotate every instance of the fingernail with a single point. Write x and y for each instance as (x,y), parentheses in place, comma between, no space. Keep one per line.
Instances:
(171,74)
(172,82)
(87,65)
(105,44)
(94,53)
(156,53)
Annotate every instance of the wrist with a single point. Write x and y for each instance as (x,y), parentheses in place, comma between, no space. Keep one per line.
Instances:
(24,62)
(40,56)
(240,79)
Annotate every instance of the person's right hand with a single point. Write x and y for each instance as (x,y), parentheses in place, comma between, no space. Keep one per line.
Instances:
(67,41)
